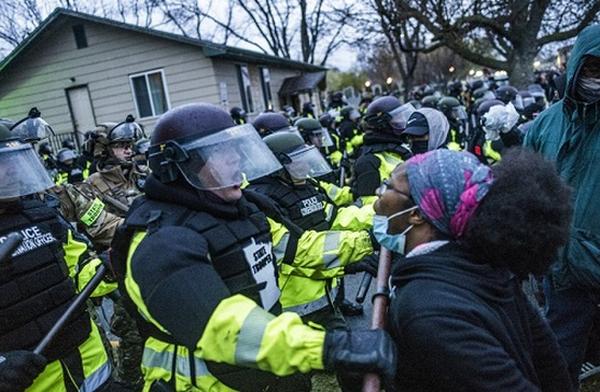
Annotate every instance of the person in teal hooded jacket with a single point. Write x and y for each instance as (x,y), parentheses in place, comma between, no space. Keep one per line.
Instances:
(568,133)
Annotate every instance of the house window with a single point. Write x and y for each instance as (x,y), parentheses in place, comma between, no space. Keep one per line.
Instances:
(245,88)
(265,79)
(80,38)
(150,93)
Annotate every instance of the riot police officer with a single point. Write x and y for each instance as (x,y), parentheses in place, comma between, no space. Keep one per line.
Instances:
(238,115)
(68,169)
(37,284)
(458,120)
(199,262)
(382,148)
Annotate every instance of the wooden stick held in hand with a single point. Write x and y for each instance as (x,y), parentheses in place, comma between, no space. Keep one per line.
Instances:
(371,382)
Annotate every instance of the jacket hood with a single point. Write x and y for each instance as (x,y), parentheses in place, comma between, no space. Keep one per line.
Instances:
(452,265)
(438,127)
(587,44)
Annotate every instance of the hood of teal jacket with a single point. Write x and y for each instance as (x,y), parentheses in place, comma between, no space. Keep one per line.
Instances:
(587,44)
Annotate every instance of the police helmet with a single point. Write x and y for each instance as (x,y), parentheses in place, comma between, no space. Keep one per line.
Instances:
(300,160)
(126,131)
(429,101)
(21,171)
(32,128)
(141,146)
(44,148)
(452,109)
(506,93)
(65,155)
(267,123)
(313,132)
(68,143)
(238,115)
(200,143)
(350,113)
(387,115)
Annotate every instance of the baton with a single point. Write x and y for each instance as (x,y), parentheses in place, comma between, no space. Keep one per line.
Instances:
(372,382)
(13,240)
(365,283)
(62,321)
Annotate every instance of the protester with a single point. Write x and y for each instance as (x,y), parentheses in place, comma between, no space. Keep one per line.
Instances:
(471,233)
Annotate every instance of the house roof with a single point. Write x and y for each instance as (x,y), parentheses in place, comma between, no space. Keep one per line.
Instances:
(210,49)
(301,83)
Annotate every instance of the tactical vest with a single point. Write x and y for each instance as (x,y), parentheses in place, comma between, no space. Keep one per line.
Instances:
(304,204)
(228,245)
(35,287)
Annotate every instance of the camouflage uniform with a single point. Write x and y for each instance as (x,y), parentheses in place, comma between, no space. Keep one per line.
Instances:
(99,206)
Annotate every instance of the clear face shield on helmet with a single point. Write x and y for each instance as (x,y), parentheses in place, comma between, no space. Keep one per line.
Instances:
(399,117)
(32,129)
(307,162)
(226,158)
(518,103)
(459,113)
(320,138)
(21,171)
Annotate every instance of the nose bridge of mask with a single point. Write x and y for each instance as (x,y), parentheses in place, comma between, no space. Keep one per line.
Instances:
(401,212)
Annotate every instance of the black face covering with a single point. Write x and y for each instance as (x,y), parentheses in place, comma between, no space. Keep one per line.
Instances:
(419,146)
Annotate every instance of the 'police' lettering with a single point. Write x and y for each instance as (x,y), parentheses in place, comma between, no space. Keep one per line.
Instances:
(310,205)
(33,238)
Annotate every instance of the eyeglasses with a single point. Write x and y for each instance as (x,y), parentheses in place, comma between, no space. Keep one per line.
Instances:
(385,185)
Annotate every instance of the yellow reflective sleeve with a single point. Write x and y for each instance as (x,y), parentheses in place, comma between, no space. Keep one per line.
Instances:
(354,218)
(339,196)
(75,255)
(133,290)
(93,212)
(241,333)
(335,158)
(87,273)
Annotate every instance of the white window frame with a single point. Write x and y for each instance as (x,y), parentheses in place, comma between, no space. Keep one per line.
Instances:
(247,97)
(165,89)
(263,83)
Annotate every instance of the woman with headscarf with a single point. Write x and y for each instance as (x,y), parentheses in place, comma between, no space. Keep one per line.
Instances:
(470,234)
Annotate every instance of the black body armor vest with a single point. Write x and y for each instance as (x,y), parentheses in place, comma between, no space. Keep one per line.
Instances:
(35,287)
(304,204)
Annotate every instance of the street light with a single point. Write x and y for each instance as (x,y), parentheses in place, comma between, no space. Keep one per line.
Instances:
(471,72)
(479,74)
(451,69)
(536,64)
(368,84)
(389,80)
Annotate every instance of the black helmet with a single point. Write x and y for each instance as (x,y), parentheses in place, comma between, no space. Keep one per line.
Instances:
(300,160)
(326,120)
(126,131)
(66,154)
(238,115)
(44,148)
(446,104)
(267,123)
(506,93)
(313,132)
(429,101)
(68,143)
(141,146)
(476,84)
(387,115)
(6,134)
(350,113)
(32,128)
(200,143)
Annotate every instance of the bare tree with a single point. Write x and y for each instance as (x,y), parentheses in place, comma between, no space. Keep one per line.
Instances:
(513,31)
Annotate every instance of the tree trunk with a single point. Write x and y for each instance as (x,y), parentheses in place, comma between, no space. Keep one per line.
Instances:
(521,67)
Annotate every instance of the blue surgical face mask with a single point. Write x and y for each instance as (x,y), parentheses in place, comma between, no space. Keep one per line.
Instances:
(394,242)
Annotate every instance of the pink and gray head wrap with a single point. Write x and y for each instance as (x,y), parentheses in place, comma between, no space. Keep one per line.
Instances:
(448,186)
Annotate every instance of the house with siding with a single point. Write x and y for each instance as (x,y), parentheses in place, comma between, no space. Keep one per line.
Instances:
(80,70)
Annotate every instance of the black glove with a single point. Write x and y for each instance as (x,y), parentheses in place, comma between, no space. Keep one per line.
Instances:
(18,369)
(371,351)
(366,264)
